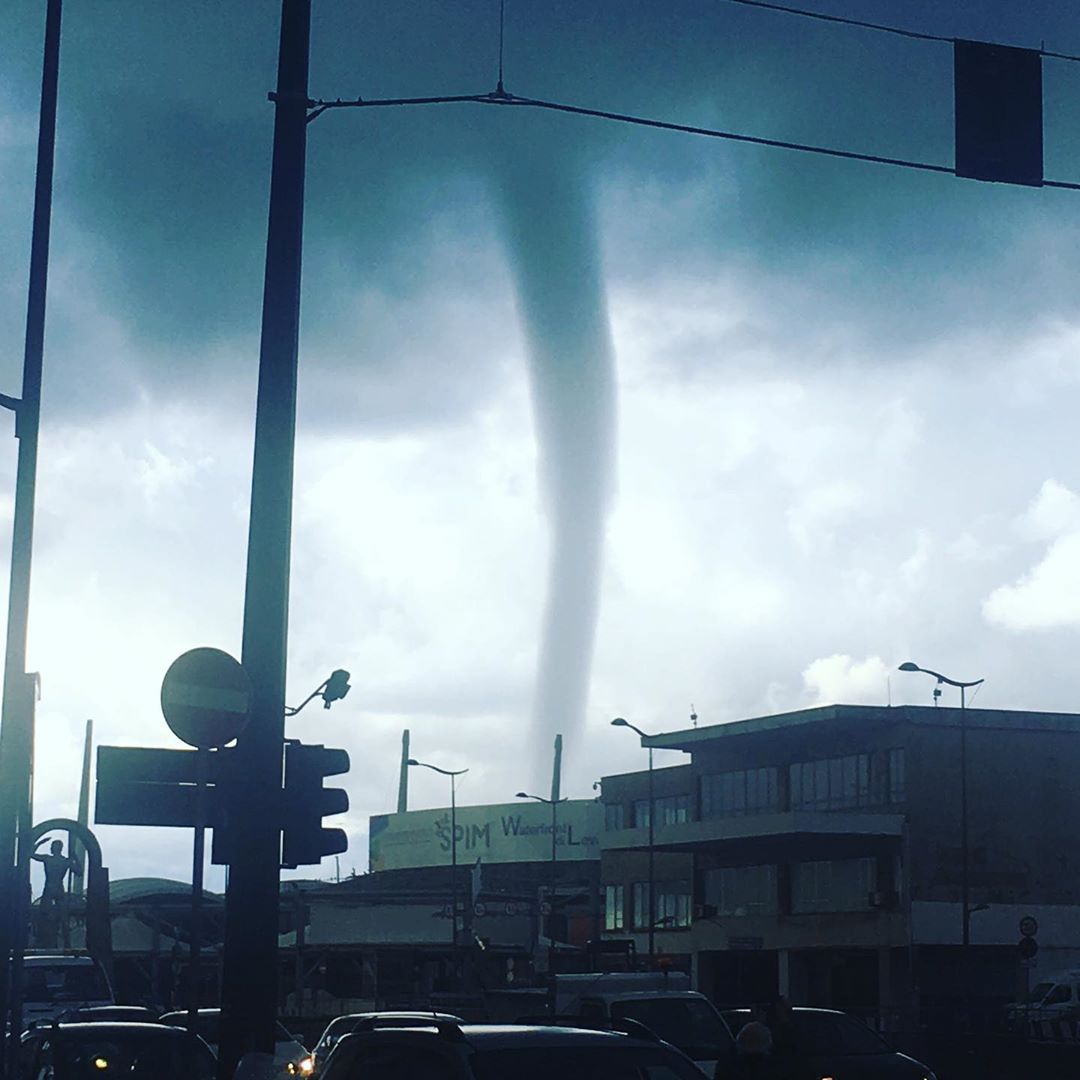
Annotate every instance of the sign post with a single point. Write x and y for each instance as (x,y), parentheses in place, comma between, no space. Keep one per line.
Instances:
(206,701)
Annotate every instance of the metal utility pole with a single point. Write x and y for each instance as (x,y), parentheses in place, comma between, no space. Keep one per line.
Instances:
(250,967)
(17,729)
(965,852)
(621,722)
(553,802)
(453,774)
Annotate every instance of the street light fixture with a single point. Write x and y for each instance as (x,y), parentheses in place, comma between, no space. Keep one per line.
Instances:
(965,893)
(620,722)
(332,689)
(453,774)
(554,804)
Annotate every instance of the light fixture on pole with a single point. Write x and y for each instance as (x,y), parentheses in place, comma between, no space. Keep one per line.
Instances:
(554,804)
(453,774)
(965,892)
(620,722)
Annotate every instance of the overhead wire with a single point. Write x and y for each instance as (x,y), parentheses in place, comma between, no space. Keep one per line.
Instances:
(502,97)
(499,96)
(920,35)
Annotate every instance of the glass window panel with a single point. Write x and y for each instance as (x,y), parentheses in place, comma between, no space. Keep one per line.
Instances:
(820,783)
(613,907)
(836,781)
(738,793)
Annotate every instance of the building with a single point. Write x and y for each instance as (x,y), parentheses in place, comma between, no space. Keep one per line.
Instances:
(819,854)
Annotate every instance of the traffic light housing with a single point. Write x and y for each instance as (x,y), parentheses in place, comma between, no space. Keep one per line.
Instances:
(306,802)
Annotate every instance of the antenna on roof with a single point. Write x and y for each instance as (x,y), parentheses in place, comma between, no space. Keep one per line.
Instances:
(693,715)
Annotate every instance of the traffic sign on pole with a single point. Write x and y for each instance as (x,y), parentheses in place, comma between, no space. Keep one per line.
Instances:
(1029,927)
(206,698)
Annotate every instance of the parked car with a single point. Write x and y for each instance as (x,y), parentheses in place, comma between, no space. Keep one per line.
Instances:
(110,1051)
(54,983)
(813,1043)
(445,1051)
(289,1052)
(1055,998)
(135,1014)
(343,1025)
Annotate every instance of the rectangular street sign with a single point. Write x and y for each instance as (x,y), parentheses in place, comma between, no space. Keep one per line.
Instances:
(138,785)
(122,803)
(151,765)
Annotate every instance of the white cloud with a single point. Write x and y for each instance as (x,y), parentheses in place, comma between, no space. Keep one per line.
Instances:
(1045,598)
(1054,512)
(839,679)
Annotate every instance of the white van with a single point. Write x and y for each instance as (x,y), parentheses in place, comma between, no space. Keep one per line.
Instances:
(53,983)
(1056,997)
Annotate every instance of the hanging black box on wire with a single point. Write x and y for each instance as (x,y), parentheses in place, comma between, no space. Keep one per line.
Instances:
(999,116)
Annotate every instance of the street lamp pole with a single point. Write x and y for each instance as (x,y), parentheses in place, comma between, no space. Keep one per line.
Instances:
(453,774)
(554,804)
(965,885)
(620,722)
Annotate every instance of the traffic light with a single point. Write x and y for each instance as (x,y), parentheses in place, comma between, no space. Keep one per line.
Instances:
(307,802)
(998,111)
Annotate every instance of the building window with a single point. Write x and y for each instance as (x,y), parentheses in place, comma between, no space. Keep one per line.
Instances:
(613,907)
(640,908)
(673,904)
(614,816)
(732,794)
(834,885)
(673,810)
(897,783)
(641,813)
(839,783)
(742,890)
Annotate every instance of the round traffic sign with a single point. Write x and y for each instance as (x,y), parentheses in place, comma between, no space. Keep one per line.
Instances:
(1028,926)
(1028,947)
(206,698)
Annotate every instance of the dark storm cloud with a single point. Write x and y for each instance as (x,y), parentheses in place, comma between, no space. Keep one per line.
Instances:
(165,139)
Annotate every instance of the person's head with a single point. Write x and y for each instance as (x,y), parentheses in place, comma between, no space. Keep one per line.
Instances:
(56,847)
(754,1040)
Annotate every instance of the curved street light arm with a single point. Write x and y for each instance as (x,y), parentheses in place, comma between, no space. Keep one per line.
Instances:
(435,768)
(942,678)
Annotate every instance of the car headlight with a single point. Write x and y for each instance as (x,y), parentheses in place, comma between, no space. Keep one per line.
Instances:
(304,1067)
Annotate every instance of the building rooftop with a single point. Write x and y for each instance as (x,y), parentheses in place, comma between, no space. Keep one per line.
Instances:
(937,716)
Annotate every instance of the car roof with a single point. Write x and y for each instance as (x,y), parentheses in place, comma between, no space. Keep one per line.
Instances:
(491,1036)
(120,1027)
(58,959)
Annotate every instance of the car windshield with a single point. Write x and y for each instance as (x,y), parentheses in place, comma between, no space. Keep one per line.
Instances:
(156,1058)
(1039,992)
(341,1026)
(582,1063)
(688,1023)
(84,982)
(826,1033)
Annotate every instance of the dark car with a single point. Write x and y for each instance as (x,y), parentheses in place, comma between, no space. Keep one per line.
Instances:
(812,1043)
(344,1025)
(108,1051)
(503,1052)
(289,1053)
(138,1014)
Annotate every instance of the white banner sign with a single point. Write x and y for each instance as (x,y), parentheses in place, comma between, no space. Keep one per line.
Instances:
(510,832)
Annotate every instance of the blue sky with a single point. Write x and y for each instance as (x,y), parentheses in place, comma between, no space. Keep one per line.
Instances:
(831,428)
